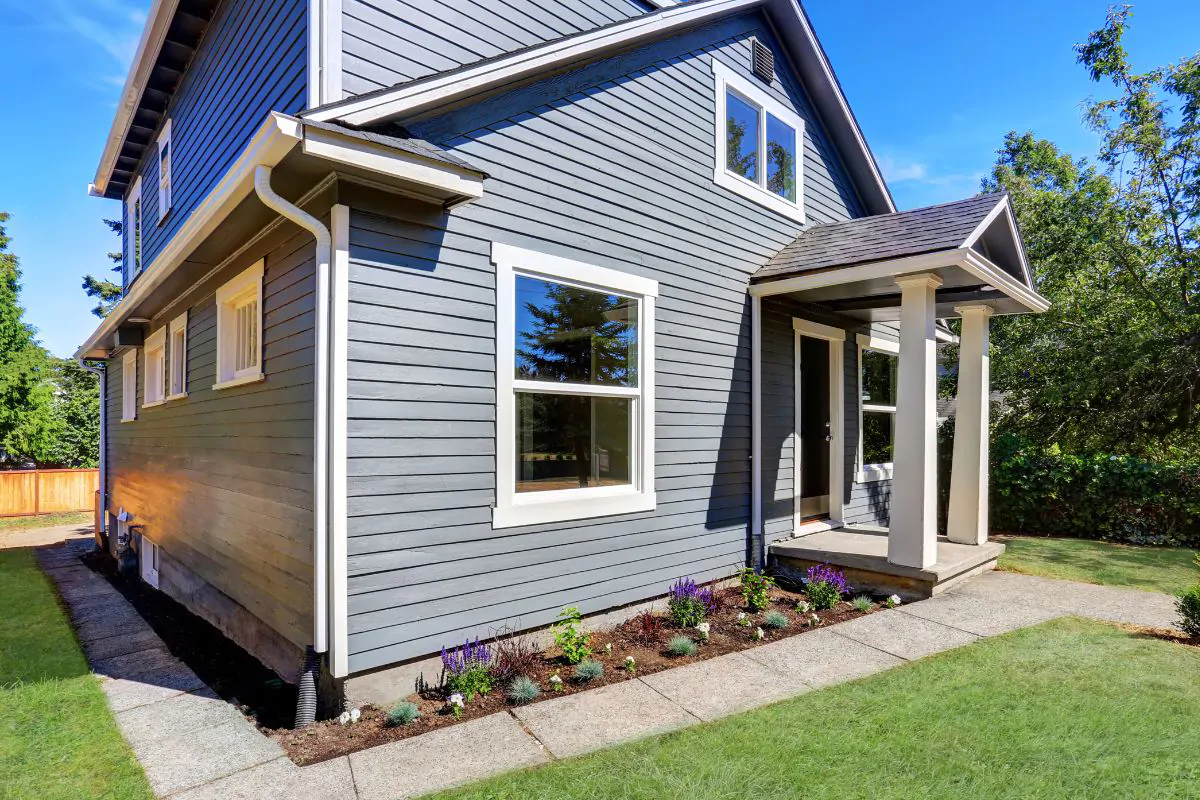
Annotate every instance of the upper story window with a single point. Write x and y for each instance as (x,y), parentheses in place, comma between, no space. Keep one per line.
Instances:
(133,231)
(164,171)
(155,371)
(239,329)
(575,389)
(878,361)
(177,356)
(129,386)
(758,144)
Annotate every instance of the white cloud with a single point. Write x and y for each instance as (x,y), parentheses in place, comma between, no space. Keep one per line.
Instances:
(897,170)
(112,26)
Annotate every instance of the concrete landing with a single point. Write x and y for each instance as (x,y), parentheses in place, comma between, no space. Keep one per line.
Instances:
(862,554)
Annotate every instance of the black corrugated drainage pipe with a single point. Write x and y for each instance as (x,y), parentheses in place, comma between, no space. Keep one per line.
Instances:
(306,701)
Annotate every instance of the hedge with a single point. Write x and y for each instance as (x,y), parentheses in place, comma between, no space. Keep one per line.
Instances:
(1114,498)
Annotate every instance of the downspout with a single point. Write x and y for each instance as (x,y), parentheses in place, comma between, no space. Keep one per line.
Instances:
(306,706)
(102,375)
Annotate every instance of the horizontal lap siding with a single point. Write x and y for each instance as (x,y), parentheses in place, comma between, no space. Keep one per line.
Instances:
(222,480)
(620,176)
(385,42)
(251,61)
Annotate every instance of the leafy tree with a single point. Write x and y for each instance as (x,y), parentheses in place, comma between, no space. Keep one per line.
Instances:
(25,388)
(1115,365)
(743,164)
(74,417)
(107,292)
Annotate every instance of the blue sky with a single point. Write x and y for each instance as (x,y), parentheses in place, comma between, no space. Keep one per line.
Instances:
(935,85)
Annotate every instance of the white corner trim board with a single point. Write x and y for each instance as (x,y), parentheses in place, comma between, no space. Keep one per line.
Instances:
(515,508)
(339,324)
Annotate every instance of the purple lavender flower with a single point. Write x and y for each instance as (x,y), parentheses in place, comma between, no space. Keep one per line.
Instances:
(686,589)
(465,657)
(824,573)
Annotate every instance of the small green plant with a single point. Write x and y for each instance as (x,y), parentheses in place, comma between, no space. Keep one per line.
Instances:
(556,682)
(1188,606)
(862,603)
(630,665)
(588,670)
(689,604)
(743,619)
(574,643)
(403,713)
(681,646)
(522,690)
(776,620)
(467,670)
(825,586)
(756,588)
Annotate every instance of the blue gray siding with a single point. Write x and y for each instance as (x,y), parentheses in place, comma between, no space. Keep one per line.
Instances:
(385,42)
(252,60)
(611,165)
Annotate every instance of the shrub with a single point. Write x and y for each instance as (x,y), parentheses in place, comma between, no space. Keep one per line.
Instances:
(403,713)
(588,670)
(862,603)
(514,655)
(574,643)
(467,670)
(776,620)
(689,603)
(647,627)
(1039,489)
(1188,605)
(756,588)
(523,689)
(681,646)
(825,586)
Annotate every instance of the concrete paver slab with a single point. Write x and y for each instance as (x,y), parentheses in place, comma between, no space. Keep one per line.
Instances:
(903,635)
(145,725)
(187,759)
(977,615)
(822,658)
(587,721)
(281,780)
(444,758)
(114,646)
(136,666)
(723,685)
(125,694)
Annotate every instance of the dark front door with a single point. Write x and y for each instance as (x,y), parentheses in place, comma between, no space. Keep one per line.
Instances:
(815,427)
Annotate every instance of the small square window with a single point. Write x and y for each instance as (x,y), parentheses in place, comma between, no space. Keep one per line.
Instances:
(129,386)
(164,171)
(239,329)
(177,357)
(156,368)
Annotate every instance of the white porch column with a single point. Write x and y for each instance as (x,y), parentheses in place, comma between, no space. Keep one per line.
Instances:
(912,534)
(968,517)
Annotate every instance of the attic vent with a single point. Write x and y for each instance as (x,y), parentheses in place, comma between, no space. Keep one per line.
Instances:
(764,61)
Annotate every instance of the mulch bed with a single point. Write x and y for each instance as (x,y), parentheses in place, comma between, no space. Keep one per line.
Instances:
(326,740)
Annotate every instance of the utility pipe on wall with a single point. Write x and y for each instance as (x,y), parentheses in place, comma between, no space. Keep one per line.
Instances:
(262,185)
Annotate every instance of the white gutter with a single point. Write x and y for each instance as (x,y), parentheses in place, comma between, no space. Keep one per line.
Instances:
(102,376)
(262,185)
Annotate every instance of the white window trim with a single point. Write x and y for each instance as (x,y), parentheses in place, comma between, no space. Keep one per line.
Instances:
(180,323)
(227,377)
(154,348)
(513,509)
(869,473)
(135,219)
(129,386)
(725,78)
(165,192)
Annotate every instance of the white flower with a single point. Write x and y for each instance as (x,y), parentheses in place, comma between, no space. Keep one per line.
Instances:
(741,615)
(629,661)
(355,714)
(456,700)
(703,628)
(555,679)
(814,620)
(344,718)
(893,601)
(758,633)
(802,607)
(608,648)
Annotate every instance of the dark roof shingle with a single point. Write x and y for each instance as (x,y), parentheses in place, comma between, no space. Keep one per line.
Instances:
(396,137)
(880,238)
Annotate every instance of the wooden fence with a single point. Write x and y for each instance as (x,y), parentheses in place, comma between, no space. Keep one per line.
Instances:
(24,493)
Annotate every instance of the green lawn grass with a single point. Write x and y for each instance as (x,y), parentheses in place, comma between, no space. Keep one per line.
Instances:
(57,737)
(45,521)
(1170,570)
(1068,709)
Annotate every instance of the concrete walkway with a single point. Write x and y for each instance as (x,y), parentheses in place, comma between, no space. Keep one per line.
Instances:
(194,746)
(38,537)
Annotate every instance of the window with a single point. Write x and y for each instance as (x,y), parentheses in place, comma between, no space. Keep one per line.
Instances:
(239,329)
(148,560)
(133,231)
(129,387)
(758,144)
(177,357)
(156,369)
(164,171)
(575,383)
(878,361)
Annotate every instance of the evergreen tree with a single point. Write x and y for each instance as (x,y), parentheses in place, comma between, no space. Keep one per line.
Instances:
(107,292)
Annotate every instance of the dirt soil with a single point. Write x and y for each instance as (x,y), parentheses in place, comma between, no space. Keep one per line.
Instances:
(326,740)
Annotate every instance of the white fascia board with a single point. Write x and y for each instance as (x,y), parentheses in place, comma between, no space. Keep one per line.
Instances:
(412,98)
(1003,206)
(393,163)
(992,275)
(153,36)
(273,140)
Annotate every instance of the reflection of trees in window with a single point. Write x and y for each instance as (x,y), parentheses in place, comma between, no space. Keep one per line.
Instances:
(737,161)
(781,170)
(579,336)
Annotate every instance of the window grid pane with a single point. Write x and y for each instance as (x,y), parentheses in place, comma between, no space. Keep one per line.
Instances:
(245,336)
(741,136)
(178,358)
(573,442)
(781,158)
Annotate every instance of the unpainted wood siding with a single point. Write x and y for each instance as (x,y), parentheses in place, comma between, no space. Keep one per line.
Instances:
(386,42)
(611,165)
(222,479)
(251,61)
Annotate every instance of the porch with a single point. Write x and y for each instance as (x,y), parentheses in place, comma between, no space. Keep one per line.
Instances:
(909,270)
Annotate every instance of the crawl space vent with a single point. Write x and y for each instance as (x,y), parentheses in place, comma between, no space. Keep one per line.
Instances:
(764,61)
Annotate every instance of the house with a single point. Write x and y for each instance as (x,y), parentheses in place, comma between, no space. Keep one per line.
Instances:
(440,317)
